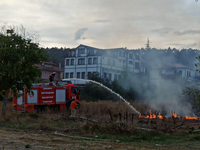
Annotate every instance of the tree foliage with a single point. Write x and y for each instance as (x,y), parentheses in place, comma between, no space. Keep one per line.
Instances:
(93,92)
(19,51)
(55,55)
(193,92)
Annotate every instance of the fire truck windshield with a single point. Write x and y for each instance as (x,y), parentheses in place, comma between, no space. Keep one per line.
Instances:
(75,90)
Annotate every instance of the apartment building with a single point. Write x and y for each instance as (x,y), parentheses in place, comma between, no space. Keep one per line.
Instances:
(171,71)
(109,63)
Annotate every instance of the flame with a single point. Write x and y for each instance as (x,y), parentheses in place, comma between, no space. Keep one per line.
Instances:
(153,116)
(160,116)
(175,115)
(186,117)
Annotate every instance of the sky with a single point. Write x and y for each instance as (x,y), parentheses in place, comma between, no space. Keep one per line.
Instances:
(107,23)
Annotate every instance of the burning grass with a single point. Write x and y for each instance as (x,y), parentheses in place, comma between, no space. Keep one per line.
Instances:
(110,120)
(101,111)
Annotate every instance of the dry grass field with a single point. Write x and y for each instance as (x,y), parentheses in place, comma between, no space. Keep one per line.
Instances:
(99,125)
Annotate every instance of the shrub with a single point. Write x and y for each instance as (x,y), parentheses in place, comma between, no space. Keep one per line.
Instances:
(27,145)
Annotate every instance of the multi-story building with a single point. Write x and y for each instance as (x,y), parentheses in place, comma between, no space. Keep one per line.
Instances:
(171,71)
(109,63)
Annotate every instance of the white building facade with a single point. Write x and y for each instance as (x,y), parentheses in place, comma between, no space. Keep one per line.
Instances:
(109,63)
(173,70)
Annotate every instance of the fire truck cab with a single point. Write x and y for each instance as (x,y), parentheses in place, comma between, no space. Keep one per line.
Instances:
(57,96)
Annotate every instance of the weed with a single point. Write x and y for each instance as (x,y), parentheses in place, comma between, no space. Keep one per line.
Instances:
(194,138)
(137,137)
(60,124)
(83,143)
(23,125)
(27,145)
(34,116)
(11,142)
(104,136)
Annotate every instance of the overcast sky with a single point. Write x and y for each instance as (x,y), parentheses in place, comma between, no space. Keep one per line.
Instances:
(107,23)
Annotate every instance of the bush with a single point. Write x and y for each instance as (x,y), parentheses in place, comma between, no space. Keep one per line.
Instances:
(94,92)
(27,145)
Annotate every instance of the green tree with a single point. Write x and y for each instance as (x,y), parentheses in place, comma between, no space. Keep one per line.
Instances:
(19,51)
(193,92)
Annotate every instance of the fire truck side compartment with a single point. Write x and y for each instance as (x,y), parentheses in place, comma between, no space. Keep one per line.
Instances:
(46,97)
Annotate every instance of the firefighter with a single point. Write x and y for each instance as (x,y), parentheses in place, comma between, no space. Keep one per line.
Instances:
(51,77)
(73,108)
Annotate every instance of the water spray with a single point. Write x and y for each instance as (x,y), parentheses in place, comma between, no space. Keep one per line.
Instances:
(100,84)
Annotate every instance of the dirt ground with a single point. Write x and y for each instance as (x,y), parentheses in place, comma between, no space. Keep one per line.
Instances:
(39,140)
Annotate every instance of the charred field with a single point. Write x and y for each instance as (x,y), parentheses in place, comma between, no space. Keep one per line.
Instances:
(99,125)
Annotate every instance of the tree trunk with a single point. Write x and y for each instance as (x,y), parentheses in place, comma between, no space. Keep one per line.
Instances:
(5,103)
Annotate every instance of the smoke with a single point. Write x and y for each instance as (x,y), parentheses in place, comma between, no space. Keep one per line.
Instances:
(162,93)
(79,33)
(164,96)
(167,97)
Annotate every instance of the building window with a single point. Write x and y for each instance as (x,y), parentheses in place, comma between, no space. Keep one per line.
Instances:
(94,60)
(91,52)
(110,76)
(130,56)
(130,62)
(180,72)
(72,61)
(83,75)
(89,75)
(89,61)
(119,76)
(71,75)
(78,75)
(105,75)
(81,61)
(81,51)
(188,74)
(67,62)
(137,65)
(71,53)
(120,54)
(123,54)
(108,61)
(115,77)
(137,57)
(66,75)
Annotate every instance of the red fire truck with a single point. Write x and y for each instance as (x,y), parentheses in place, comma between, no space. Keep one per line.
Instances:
(47,96)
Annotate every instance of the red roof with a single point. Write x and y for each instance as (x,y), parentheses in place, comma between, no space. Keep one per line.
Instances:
(53,68)
(49,63)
